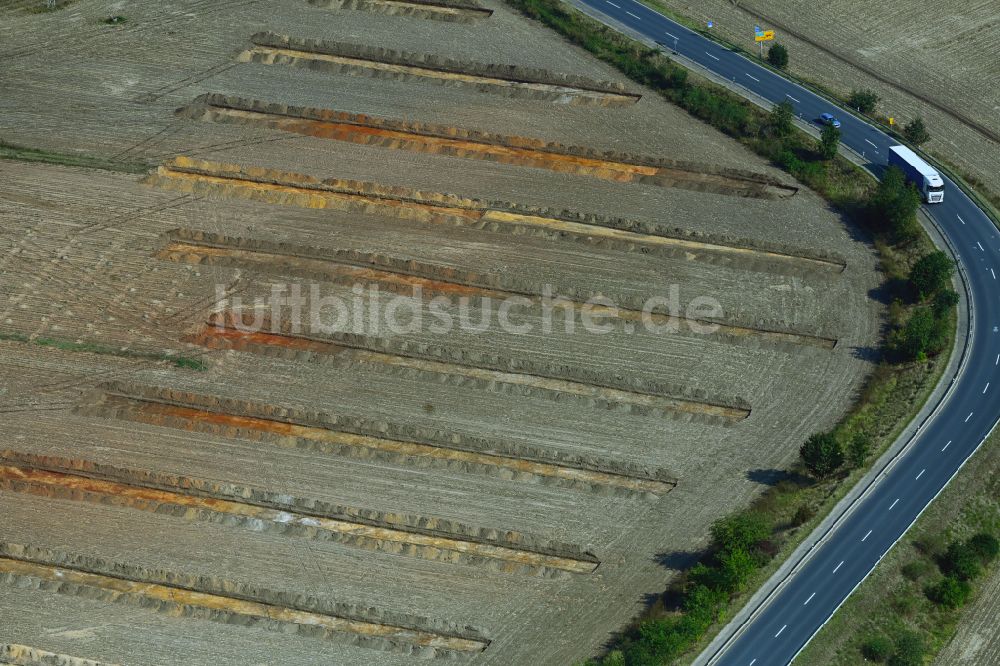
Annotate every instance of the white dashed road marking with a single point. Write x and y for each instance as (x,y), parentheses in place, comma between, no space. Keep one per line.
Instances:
(960,219)
(980,246)
(613,4)
(669,35)
(838,566)
(753,77)
(792,98)
(994,274)
(870,143)
(894,503)
(780,630)
(867,535)
(810,598)
(633,15)
(968,417)
(921,474)
(987,387)
(711,56)
(946,446)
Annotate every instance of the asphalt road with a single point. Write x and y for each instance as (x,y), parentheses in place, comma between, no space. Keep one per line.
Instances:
(851,551)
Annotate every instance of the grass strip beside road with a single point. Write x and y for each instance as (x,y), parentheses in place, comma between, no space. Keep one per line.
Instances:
(892,605)
(747,547)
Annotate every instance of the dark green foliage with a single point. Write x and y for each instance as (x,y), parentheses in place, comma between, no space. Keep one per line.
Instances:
(949,592)
(822,454)
(893,207)
(859,448)
(777,55)
(923,335)
(829,140)
(864,101)
(739,532)
(961,561)
(877,648)
(985,546)
(909,649)
(780,120)
(915,132)
(931,274)
(944,301)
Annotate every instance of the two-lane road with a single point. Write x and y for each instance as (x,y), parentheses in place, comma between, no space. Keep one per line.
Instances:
(810,597)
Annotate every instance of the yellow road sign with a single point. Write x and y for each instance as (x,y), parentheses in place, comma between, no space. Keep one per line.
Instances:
(765,36)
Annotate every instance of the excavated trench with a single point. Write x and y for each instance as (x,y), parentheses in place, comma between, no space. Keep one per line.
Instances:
(271,49)
(13,654)
(279,187)
(232,602)
(516,150)
(361,439)
(403,275)
(199,499)
(461,12)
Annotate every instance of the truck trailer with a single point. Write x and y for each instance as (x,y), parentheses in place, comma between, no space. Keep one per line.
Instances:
(918,172)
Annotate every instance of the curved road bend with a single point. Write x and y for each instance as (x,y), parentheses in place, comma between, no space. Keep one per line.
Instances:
(838,565)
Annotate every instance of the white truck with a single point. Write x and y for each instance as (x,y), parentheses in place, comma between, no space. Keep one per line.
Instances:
(918,172)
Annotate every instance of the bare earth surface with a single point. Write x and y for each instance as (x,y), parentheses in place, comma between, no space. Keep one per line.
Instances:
(934,61)
(353,494)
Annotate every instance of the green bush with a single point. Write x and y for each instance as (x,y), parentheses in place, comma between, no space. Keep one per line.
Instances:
(877,648)
(777,55)
(742,532)
(822,454)
(892,208)
(780,120)
(961,561)
(931,274)
(859,448)
(909,649)
(915,132)
(985,546)
(923,335)
(864,101)
(949,592)
(829,141)
(944,301)
(803,515)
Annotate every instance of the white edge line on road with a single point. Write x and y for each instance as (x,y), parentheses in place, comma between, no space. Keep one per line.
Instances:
(960,219)
(792,98)
(753,77)
(711,56)
(921,474)
(633,15)
(838,566)
(968,417)
(867,535)
(894,503)
(783,627)
(810,598)
(946,446)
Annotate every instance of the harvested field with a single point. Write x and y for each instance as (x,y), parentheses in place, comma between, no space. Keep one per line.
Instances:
(271,49)
(349,491)
(899,49)
(441,140)
(463,12)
